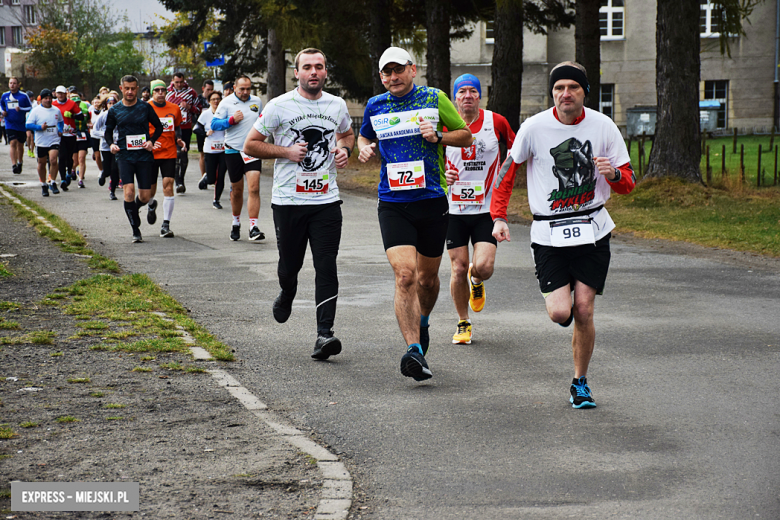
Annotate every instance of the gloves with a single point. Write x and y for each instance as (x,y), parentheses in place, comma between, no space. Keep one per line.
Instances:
(68,114)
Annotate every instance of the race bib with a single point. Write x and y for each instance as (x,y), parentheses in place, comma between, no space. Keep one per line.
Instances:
(217,146)
(12,105)
(467,192)
(312,183)
(406,175)
(51,129)
(81,137)
(167,123)
(570,232)
(135,142)
(247,158)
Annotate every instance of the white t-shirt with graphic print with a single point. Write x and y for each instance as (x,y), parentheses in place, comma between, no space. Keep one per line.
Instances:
(291,118)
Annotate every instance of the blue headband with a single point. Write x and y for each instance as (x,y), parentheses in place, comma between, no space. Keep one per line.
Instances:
(466,80)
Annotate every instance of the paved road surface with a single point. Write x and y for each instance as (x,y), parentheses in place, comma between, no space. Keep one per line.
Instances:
(684,372)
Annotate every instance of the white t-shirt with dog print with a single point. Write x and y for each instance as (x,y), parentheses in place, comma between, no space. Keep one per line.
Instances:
(291,118)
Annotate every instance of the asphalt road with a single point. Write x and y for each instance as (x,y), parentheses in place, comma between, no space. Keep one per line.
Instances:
(684,371)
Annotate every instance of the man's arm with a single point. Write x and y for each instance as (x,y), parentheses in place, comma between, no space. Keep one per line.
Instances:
(154,120)
(366,148)
(108,133)
(344,144)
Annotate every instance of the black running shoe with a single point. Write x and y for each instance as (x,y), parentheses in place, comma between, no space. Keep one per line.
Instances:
(581,397)
(101,180)
(15,169)
(256,234)
(325,347)
(137,235)
(180,188)
(425,339)
(165,230)
(53,187)
(111,195)
(282,307)
(235,233)
(151,215)
(413,365)
(45,190)
(216,205)
(204,183)
(64,184)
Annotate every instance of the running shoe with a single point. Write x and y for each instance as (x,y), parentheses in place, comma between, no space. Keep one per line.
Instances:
(463,335)
(476,294)
(101,180)
(137,235)
(151,215)
(65,183)
(180,188)
(235,233)
(54,189)
(165,230)
(45,190)
(581,396)
(256,234)
(30,153)
(15,168)
(216,205)
(111,195)
(569,319)
(425,339)
(121,187)
(413,365)
(326,346)
(282,307)
(204,183)
(81,184)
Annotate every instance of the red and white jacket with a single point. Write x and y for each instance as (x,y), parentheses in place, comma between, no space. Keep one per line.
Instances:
(185,95)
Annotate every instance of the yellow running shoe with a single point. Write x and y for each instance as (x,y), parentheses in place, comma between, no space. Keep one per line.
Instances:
(476,294)
(463,334)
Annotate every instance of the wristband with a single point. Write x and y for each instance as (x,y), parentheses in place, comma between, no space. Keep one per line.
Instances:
(231,121)
(618,176)
(349,151)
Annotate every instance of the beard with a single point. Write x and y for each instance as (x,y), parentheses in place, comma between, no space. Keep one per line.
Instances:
(313,91)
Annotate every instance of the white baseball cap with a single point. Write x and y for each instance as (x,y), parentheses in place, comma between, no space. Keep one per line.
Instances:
(61,88)
(394,55)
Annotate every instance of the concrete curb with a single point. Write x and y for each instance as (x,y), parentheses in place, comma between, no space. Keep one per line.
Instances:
(13,199)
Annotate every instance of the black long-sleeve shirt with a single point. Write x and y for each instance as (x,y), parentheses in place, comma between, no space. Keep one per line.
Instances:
(133,120)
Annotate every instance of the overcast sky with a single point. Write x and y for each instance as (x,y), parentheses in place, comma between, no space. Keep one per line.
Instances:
(141,12)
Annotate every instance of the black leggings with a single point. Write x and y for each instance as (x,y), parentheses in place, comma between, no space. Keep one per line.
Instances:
(110,169)
(182,161)
(215,172)
(68,147)
(320,227)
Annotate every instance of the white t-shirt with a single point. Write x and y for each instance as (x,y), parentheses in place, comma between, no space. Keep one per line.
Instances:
(214,143)
(236,134)
(99,130)
(291,118)
(51,116)
(562,177)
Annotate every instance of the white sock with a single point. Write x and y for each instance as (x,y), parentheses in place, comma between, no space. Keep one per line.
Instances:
(43,184)
(252,223)
(236,220)
(473,282)
(168,208)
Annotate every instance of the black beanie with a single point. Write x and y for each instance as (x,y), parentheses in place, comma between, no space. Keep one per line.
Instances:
(572,73)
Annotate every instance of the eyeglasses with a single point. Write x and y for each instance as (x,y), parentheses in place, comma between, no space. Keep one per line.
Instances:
(161,89)
(387,71)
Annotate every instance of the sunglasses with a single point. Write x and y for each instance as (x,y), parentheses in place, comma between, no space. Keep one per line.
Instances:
(161,89)
(387,71)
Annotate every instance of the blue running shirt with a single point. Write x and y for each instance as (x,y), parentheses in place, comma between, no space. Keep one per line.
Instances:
(395,122)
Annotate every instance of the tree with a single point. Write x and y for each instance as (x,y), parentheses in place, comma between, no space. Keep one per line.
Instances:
(587,38)
(437,58)
(380,38)
(676,148)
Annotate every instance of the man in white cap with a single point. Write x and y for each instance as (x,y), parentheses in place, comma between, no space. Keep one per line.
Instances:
(407,125)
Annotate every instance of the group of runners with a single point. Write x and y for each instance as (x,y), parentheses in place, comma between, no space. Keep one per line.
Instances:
(441,183)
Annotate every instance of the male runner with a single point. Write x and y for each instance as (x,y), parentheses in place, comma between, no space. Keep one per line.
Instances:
(47,123)
(83,140)
(572,153)
(227,89)
(134,148)
(203,101)
(15,105)
(313,136)
(235,115)
(165,155)
(145,95)
(71,112)
(470,174)
(407,123)
(180,93)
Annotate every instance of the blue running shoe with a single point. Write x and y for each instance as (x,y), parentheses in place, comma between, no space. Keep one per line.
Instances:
(413,365)
(581,396)
(425,339)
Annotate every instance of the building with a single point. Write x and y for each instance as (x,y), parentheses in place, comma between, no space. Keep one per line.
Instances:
(16,16)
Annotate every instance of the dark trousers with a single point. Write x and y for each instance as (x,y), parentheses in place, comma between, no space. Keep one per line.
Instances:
(182,160)
(320,227)
(68,147)
(216,170)
(110,169)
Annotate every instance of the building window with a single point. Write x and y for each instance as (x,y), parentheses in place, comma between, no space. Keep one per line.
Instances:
(489,34)
(718,91)
(709,19)
(2,36)
(15,2)
(611,19)
(606,100)
(17,36)
(29,12)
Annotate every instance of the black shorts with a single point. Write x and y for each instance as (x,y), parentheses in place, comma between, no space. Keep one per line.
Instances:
(165,167)
(237,168)
(83,145)
(18,135)
(422,224)
(477,227)
(95,144)
(201,141)
(557,267)
(43,152)
(142,171)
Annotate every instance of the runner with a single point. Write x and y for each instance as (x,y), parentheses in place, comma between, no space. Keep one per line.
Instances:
(406,122)
(94,112)
(312,134)
(83,140)
(470,174)
(110,168)
(134,149)
(71,112)
(571,152)
(227,89)
(164,155)
(214,146)
(180,93)
(47,123)
(145,95)
(203,101)
(30,135)
(235,115)
(15,105)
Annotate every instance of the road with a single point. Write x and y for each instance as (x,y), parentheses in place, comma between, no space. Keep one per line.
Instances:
(684,372)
